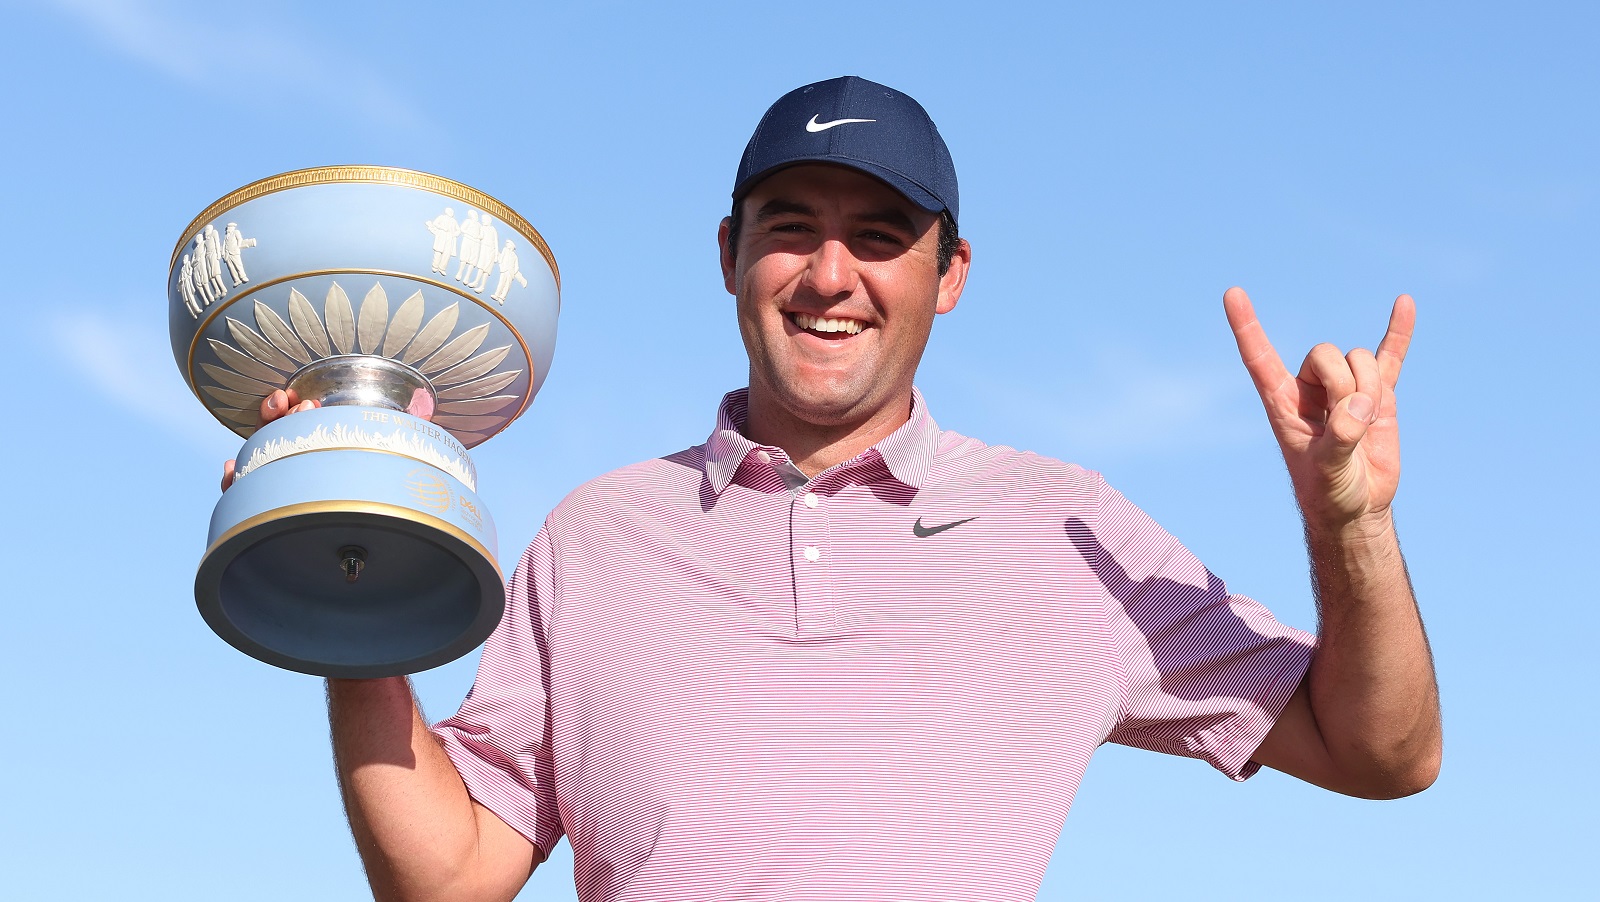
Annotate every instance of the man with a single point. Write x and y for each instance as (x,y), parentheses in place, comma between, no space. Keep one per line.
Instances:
(836,652)
(186,288)
(233,247)
(470,231)
(445,229)
(510,268)
(202,280)
(214,261)
(488,253)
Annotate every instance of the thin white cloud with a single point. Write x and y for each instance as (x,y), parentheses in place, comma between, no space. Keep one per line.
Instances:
(227,50)
(126,361)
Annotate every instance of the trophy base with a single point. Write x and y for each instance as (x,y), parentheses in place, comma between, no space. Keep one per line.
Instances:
(349,562)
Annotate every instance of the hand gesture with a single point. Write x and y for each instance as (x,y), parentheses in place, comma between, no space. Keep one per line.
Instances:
(1335,421)
(278,404)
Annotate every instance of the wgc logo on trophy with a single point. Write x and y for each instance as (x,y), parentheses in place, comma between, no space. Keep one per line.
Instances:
(421,314)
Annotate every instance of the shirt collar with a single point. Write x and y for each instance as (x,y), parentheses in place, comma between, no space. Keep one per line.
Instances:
(907,452)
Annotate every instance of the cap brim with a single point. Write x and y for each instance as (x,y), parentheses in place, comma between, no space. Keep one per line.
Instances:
(912,191)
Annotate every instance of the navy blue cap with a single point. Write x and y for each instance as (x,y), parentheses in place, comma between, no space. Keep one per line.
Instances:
(857,123)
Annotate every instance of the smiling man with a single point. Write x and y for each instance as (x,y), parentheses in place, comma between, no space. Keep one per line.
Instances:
(836,652)
(838,278)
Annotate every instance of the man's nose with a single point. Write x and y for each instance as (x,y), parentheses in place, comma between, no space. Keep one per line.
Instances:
(831,271)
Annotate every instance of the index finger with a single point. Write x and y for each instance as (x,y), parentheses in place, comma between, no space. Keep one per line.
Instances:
(1260,359)
(1396,341)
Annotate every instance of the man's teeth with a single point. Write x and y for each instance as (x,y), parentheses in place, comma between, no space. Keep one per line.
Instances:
(825,324)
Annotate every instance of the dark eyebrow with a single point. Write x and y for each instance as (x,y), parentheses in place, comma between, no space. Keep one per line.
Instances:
(888,216)
(779,207)
(896,219)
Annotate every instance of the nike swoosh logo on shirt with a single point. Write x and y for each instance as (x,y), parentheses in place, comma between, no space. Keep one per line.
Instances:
(815,126)
(922,532)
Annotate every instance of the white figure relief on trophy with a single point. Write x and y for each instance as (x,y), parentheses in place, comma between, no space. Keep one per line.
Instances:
(197,275)
(488,250)
(469,247)
(200,280)
(260,360)
(508,270)
(479,252)
(445,230)
(186,288)
(214,261)
(233,245)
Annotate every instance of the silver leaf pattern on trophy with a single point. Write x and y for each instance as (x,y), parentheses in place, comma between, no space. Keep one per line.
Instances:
(260,360)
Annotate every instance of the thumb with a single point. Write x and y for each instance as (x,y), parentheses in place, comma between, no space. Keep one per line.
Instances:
(1348,422)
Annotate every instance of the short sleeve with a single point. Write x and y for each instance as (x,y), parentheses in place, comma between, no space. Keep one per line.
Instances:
(500,739)
(1206,672)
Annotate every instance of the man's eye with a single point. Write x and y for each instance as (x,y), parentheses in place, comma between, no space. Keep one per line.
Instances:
(881,238)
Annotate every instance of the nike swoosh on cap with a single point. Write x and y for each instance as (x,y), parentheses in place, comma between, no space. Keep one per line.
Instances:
(815,126)
(922,532)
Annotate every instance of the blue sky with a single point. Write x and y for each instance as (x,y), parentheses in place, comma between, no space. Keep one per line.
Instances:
(1121,165)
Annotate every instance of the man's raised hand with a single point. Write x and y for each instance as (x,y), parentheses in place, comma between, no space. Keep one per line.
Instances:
(1335,421)
(278,404)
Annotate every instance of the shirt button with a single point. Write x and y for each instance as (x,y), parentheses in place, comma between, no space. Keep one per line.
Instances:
(811,499)
(812,553)
(764,457)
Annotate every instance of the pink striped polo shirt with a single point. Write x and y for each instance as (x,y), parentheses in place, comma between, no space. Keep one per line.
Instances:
(721,680)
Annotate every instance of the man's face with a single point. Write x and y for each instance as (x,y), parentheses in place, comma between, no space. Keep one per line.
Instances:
(837,281)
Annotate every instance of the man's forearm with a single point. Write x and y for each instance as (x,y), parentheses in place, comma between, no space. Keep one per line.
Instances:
(414,824)
(1372,686)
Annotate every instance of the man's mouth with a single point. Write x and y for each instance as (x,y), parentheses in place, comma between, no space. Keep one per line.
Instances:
(825,325)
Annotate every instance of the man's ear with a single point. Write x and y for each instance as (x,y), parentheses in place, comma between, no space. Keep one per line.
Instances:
(724,232)
(954,278)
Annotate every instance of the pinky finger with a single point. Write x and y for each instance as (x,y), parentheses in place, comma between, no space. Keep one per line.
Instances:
(1397,339)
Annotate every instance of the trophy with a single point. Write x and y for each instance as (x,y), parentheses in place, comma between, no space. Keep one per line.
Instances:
(352,542)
